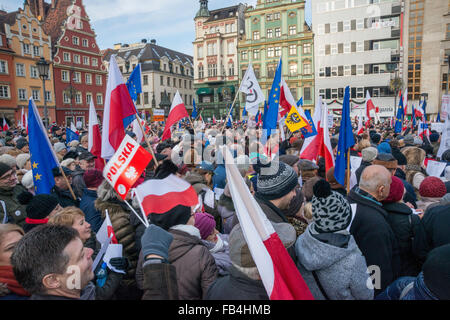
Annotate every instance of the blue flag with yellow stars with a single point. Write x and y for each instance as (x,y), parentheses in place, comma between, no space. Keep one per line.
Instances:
(304,131)
(43,158)
(194,111)
(400,115)
(271,116)
(134,83)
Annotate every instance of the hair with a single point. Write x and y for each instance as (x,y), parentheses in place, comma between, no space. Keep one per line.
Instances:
(7,228)
(307,211)
(66,217)
(85,138)
(39,253)
(363,144)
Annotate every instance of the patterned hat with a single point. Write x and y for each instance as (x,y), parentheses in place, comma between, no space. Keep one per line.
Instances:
(279,180)
(331,211)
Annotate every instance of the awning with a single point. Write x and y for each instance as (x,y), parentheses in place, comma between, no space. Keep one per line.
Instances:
(203,91)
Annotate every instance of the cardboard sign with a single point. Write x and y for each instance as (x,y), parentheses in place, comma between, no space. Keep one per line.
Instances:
(126,166)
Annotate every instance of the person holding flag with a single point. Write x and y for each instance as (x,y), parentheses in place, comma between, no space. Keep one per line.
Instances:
(271,116)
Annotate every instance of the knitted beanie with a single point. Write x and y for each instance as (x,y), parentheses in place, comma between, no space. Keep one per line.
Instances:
(369,154)
(436,272)
(59,146)
(434,137)
(93,178)
(432,187)
(4,168)
(8,160)
(22,159)
(397,191)
(41,206)
(275,184)
(384,147)
(331,211)
(205,223)
(27,180)
(21,143)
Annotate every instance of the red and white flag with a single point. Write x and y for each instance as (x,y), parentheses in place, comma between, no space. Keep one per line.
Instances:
(405,101)
(5,126)
(126,166)
(106,231)
(24,120)
(119,112)
(177,112)
(360,125)
(95,137)
(214,119)
(159,196)
(137,129)
(370,109)
(419,111)
(279,274)
(74,129)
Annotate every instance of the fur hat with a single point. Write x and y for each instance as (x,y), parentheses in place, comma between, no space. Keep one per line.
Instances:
(369,154)
(386,160)
(432,187)
(414,155)
(27,180)
(277,183)
(22,159)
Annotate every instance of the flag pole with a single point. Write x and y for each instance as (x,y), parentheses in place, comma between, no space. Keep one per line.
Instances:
(67,180)
(229,112)
(348,171)
(145,136)
(137,215)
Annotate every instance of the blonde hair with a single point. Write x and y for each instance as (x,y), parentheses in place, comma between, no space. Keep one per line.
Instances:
(7,228)
(66,217)
(363,144)
(308,211)
(84,139)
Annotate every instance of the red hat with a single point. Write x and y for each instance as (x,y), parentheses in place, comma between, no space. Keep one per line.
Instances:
(432,187)
(93,178)
(397,191)
(205,223)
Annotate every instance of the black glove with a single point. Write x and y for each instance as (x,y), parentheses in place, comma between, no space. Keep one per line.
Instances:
(119,263)
(156,241)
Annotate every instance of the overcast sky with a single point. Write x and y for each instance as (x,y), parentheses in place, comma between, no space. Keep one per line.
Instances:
(170,22)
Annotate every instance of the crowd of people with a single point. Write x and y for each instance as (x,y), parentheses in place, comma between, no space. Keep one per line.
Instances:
(388,238)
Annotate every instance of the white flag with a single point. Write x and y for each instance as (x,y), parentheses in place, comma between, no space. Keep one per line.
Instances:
(251,88)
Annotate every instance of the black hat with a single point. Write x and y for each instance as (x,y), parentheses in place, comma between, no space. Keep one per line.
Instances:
(86,155)
(57,172)
(162,146)
(21,143)
(71,155)
(436,272)
(160,157)
(41,206)
(4,168)
(400,157)
(376,138)
(434,137)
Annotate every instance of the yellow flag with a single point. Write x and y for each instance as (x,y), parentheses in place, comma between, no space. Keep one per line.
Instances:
(294,121)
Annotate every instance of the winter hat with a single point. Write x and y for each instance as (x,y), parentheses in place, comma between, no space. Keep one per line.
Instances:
(436,272)
(418,141)
(331,211)
(279,180)
(41,206)
(386,160)
(59,146)
(369,154)
(446,156)
(307,165)
(432,187)
(295,205)
(384,147)
(240,253)
(8,160)
(4,168)
(414,155)
(66,163)
(93,178)
(22,159)
(205,223)
(74,143)
(409,139)
(21,143)
(434,137)
(72,154)
(289,159)
(376,138)
(401,159)
(397,191)
(27,180)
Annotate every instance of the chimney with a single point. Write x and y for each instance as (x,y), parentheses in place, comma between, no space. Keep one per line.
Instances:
(41,10)
(144,41)
(153,41)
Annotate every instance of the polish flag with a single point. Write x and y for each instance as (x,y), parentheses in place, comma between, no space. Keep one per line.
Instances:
(423,129)
(137,129)
(95,138)
(419,111)
(106,231)
(287,102)
(74,129)
(177,112)
(370,109)
(24,120)
(279,274)
(214,119)
(119,111)
(5,126)
(405,101)
(160,196)
(310,146)
(360,125)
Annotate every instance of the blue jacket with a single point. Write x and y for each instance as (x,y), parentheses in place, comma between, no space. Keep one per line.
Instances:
(220,177)
(93,217)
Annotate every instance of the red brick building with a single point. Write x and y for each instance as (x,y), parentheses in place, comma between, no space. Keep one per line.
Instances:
(78,71)
(8,96)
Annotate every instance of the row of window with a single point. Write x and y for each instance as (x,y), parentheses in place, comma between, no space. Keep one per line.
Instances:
(345,4)
(357,24)
(22,94)
(67,57)
(356,70)
(355,92)
(212,71)
(78,98)
(76,41)
(277,31)
(65,77)
(229,28)
(173,82)
(357,46)
(147,99)
(212,49)
(271,69)
(26,48)
(34,73)
(276,51)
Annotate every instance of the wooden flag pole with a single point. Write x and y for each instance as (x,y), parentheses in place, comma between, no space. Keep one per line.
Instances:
(348,171)
(67,181)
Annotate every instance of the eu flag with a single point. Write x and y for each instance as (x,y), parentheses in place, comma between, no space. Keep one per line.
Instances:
(413,117)
(300,102)
(346,140)
(271,116)
(438,119)
(244,113)
(134,83)
(71,136)
(400,115)
(43,158)
(194,112)
(304,130)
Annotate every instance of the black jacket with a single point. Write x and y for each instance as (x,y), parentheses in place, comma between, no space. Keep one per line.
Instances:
(236,286)
(410,235)
(361,168)
(375,238)
(436,222)
(65,198)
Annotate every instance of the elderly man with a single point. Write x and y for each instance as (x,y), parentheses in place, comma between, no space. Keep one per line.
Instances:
(87,161)
(61,188)
(371,231)
(9,190)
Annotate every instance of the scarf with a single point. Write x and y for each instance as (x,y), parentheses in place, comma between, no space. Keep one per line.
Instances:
(191,230)
(219,245)
(7,276)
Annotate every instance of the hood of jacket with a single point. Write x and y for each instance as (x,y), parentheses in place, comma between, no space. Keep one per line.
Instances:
(182,243)
(113,207)
(314,254)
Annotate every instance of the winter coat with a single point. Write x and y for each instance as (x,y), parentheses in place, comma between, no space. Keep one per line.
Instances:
(425,202)
(338,263)
(65,198)
(227,212)
(221,255)
(78,184)
(15,210)
(436,222)
(124,232)
(220,177)
(196,181)
(359,171)
(196,267)
(445,200)
(92,215)
(410,235)
(160,282)
(375,238)
(236,286)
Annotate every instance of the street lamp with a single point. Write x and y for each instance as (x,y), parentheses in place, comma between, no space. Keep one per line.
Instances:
(43,69)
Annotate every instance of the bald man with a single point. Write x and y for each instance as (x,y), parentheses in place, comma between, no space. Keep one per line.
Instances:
(370,228)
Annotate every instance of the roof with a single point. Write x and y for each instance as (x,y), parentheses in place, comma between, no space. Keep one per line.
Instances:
(55,18)
(221,14)
(9,18)
(149,55)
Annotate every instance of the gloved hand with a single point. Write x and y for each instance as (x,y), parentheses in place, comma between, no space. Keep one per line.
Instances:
(119,263)
(156,241)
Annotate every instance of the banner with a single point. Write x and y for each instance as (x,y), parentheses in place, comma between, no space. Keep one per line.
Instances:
(445,105)
(438,126)
(158,115)
(126,166)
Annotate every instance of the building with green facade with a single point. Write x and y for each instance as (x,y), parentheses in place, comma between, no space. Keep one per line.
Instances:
(276,29)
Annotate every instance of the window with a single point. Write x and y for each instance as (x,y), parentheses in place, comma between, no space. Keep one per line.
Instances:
(321,29)
(292,30)
(200,52)
(212,70)
(86,60)
(36,95)
(26,48)
(278,51)
(322,72)
(98,80)
(347,47)
(88,77)
(334,71)
(333,27)
(270,52)
(65,76)
(353,69)
(334,93)
(99,98)
(88,98)
(174,82)
(334,48)
(77,77)
(146,100)
(94,62)
(269,33)
(293,69)
(185,84)
(256,54)
(360,46)
(327,28)
(269,17)
(376,92)
(78,98)
(161,81)
(48,96)
(244,55)
(85,43)
(66,57)
(360,92)
(340,71)
(168,81)
(3,67)
(276,16)
(230,47)
(76,58)
(307,93)
(307,68)
(66,98)
(76,41)
(360,24)
(231,69)
(307,48)
(360,69)
(277,32)
(36,51)
(22,94)
(340,48)
(347,71)
(20,70)
(271,70)
(256,35)
(347,26)
(145,78)
(4,92)
(34,72)
(293,50)
(179,83)
(322,51)
(201,73)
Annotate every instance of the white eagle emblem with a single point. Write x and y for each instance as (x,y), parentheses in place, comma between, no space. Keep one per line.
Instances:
(131,173)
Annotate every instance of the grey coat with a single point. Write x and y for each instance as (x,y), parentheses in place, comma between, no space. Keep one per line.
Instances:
(341,270)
